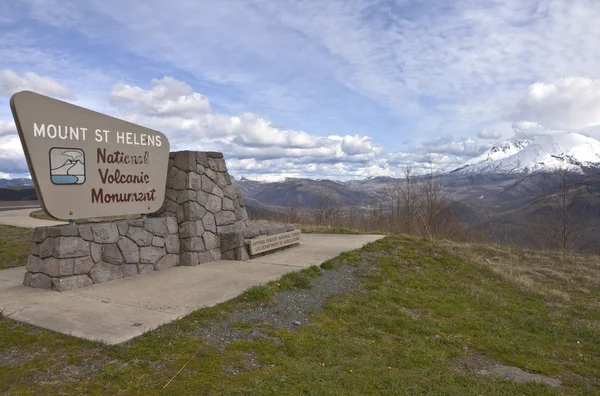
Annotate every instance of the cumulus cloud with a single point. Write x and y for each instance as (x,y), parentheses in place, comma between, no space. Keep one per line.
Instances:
(489,133)
(448,144)
(12,160)
(567,104)
(7,128)
(11,82)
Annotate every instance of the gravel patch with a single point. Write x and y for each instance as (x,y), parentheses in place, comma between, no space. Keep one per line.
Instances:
(290,311)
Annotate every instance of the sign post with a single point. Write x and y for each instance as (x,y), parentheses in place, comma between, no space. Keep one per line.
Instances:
(87,164)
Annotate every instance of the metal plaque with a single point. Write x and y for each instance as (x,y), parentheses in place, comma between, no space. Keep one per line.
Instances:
(87,164)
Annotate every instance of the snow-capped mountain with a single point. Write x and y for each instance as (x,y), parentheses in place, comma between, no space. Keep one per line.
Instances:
(545,153)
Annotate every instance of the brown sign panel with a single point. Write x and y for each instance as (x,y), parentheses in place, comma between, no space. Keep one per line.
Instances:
(87,164)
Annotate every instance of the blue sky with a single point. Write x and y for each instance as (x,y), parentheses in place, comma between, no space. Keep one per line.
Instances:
(322,89)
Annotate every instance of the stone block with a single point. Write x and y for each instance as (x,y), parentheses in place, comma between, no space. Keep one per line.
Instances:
(130,270)
(171,194)
(176,179)
(214,204)
(151,254)
(187,229)
(105,232)
(83,265)
(216,254)
(158,241)
(66,247)
(172,225)
(193,181)
(205,257)
(227,204)
(212,175)
(34,249)
(140,236)
(186,195)
(185,160)
(188,259)
(85,231)
(111,254)
(172,244)
(34,264)
(136,223)
(228,255)
(209,223)
(224,217)
(27,279)
(157,226)
(63,230)
(46,248)
(194,244)
(170,206)
(71,282)
(241,254)
(201,158)
(214,154)
(95,251)
(123,227)
(229,192)
(129,249)
(199,228)
(145,268)
(217,191)
(104,272)
(168,261)
(40,281)
(201,197)
(190,211)
(251,232)
(39,234)
(66,267)
(224,229)
(221,180)
(207,184)
(211,241)
(200,169)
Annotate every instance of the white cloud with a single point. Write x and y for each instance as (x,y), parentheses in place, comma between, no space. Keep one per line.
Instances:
(11,82)
(489,133)
(7,128)
(12,160)
(448,144)
(567,103)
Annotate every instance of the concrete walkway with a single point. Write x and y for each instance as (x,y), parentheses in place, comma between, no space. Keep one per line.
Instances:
(21,218)
(117,311)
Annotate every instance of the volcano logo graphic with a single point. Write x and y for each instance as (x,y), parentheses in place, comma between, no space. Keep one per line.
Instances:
(67,165)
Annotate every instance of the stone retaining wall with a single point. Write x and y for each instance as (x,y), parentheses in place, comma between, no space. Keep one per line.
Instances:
(68,257)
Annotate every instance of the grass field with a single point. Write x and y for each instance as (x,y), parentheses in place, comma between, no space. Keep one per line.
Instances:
(428,316)
(14,246)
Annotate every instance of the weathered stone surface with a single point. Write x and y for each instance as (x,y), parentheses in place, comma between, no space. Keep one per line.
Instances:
(171,194)
(158,241)
(241,254)
(157,226)
(224,229)
(200,169)
(199,228)
(227,204)
(104,272)
(123,227)
(224,218)
(111,254)
(216,254)
(218,192)
(193,181)
(47,248)
(205,257)
(228,255)
(188,259)
(201,158)
(63,230)
(251,232)
(34,264)
(65,247)
(176,179)
(172,244)
(211,241)
(145,268)
(212,175)
(221,180)
(95,251)
(213,205)
(172,225)
(217,164)
(190,211)
(241,202)
(39,234)
(207,184)
(168,261)
(105,232)
(229,192)
(194,244)
(151,254)
(185,160)
(40,281)
(129,270)
(34,249)
(187,229)
(66,267)
(209,223)
(186,195)
(140,236)
(71,282)
(214,154)
(27,279)
(83,265)
(201,197)
(170,206)
(85,231)
(129,249)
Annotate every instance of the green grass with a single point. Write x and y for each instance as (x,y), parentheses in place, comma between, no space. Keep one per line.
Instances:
(14,246)
(425,307)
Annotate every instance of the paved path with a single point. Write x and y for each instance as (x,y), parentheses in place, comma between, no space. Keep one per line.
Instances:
(21,218)
(117,311)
